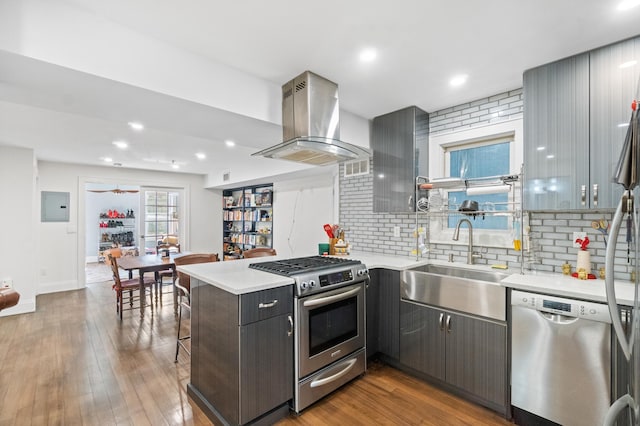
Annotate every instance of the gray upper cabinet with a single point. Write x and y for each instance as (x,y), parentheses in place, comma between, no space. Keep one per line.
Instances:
(400,153)
(556,134)
(575,111)
(614,85)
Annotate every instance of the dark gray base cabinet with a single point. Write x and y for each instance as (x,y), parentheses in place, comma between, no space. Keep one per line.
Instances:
(468,354)
(241,354)
(383,314)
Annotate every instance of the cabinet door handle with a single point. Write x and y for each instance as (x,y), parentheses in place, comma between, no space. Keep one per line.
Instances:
(583,195)
(290,319)
(441,321)
(448,323)
(268,304)
(595,195)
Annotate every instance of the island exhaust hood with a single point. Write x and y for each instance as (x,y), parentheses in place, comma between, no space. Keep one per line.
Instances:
(311,125)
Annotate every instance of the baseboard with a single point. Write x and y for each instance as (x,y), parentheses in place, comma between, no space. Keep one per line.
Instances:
(23,307)
(55,287)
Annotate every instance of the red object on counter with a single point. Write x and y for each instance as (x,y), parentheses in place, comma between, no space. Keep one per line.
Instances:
(329,230)
(583,243)
(589,276)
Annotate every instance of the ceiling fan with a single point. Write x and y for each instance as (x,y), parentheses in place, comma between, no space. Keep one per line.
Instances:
(116,191)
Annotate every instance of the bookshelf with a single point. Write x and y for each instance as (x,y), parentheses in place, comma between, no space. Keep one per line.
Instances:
(247,219)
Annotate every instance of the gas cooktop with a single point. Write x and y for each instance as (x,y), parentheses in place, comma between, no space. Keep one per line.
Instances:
(292,267)
(314,274)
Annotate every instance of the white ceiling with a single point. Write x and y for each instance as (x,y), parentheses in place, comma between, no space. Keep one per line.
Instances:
(68,115)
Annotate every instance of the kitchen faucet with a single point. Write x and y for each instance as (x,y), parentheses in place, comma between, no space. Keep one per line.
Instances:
(456,235)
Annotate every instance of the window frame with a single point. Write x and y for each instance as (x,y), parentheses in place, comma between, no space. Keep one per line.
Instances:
(440,144)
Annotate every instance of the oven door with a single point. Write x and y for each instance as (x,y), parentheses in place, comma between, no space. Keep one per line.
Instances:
(330,326)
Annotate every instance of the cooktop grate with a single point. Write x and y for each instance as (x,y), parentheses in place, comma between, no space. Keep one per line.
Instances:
(290,267)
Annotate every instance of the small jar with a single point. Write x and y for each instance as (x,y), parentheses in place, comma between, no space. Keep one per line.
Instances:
(566,269)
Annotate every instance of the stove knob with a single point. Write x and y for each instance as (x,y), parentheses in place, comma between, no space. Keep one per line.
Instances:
(304,284)
(362,272)
(312,283)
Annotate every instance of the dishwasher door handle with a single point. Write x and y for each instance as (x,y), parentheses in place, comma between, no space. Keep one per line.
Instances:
(557,318)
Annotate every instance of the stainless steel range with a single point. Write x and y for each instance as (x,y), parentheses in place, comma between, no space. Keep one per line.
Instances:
(329,312)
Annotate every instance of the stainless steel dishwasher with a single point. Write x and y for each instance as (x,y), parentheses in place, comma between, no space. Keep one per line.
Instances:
(560,358)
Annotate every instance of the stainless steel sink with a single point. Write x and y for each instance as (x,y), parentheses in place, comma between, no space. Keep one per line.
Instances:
(461,272)
(461,289)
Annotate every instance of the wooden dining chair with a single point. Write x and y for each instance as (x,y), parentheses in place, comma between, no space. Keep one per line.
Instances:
(183,286)
(166,277)
(258,252)
(129,286)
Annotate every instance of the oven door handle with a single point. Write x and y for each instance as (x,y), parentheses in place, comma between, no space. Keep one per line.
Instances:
(330,299)
(334,377)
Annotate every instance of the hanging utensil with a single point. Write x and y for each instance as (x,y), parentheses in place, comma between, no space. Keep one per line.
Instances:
(329,230)
(599,226)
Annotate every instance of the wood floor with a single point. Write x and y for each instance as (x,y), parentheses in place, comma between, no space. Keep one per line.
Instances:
(74,363)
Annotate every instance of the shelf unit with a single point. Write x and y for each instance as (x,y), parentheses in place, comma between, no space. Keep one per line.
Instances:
(116,232)
(512,209)
(247,219)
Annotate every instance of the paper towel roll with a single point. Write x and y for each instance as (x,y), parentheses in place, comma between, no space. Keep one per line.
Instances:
(495,189)
(584,261)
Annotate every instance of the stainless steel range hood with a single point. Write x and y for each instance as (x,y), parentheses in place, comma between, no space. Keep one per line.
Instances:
(311,124)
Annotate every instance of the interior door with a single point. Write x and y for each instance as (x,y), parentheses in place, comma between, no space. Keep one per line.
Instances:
(161,217)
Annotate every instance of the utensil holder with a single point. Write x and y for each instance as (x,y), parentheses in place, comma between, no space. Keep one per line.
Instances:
(332,245)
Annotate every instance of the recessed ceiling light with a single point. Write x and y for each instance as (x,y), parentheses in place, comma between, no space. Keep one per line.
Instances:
(201,155)
(138,127)
(550,156)
(628,4)
(230,143)
(623,125)
(628,64)
(108,159)
(121,144)
(368,54)
(458,80)
(541,148)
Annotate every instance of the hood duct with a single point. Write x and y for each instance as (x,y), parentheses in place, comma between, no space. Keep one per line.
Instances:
(311,124)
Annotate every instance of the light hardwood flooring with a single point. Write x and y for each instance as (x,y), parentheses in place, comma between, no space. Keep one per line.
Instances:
(73,362)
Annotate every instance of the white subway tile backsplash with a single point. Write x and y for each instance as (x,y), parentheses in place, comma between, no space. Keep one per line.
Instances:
(551,233)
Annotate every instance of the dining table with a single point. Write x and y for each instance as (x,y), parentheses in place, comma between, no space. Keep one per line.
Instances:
(151,263)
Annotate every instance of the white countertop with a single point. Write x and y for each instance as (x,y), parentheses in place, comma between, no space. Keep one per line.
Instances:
(568,286)
(236,277)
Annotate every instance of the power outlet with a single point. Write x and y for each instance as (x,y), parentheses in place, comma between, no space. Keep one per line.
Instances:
(7,283)
(396,231)
(578,236)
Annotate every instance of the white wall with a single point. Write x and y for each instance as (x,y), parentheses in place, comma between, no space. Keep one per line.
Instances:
(63,244)
(300,208)
(18,214)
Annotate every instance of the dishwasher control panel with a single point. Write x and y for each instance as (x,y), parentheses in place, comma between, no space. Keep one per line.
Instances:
(562,306)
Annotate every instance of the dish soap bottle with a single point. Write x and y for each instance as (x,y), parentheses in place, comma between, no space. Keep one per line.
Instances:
(517,244)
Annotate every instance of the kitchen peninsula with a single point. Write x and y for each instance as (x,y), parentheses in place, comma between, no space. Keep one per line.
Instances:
(242,360)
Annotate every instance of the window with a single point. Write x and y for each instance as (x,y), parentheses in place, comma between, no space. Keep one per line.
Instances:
(161,217)
(477,160)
